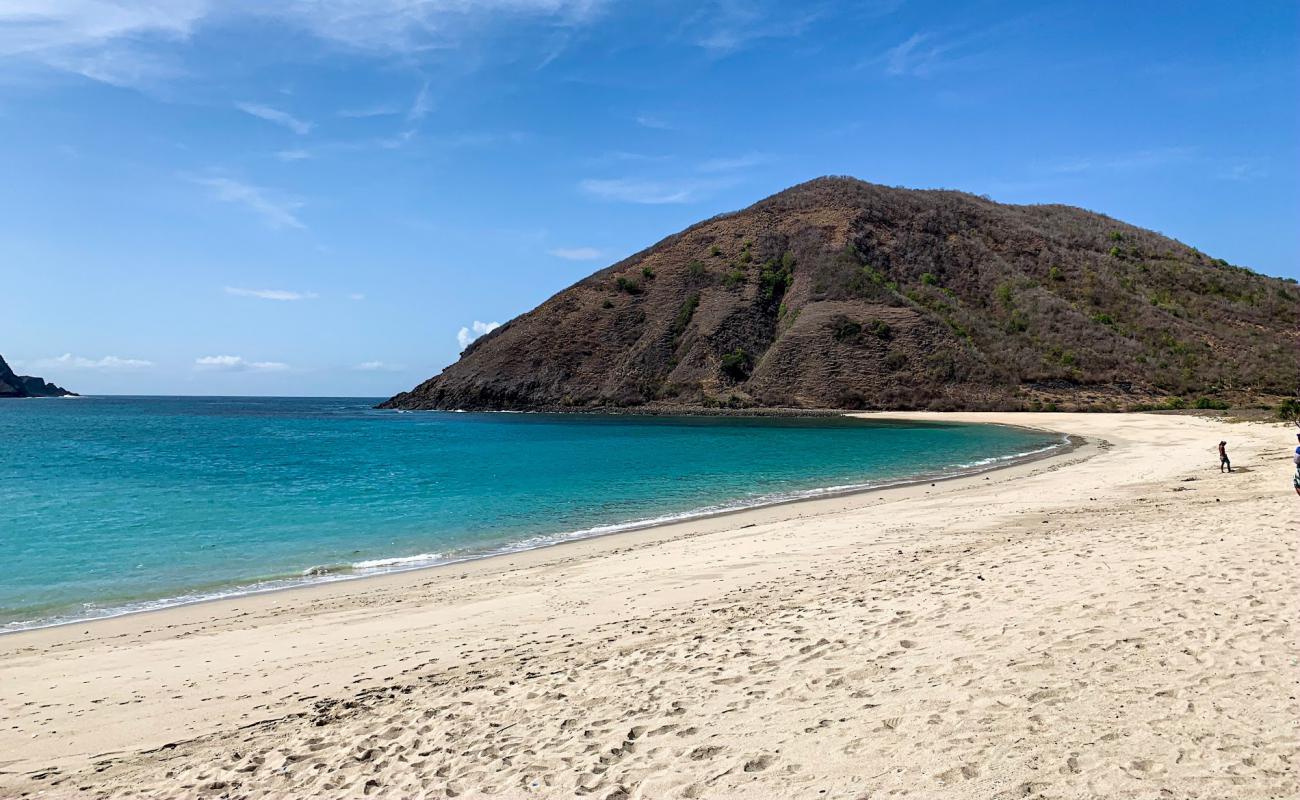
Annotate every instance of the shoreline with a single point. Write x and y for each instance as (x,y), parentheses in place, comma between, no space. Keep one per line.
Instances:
(344,573)
(1097,623)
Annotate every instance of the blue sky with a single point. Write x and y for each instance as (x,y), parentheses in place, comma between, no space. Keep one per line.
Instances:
(204,197)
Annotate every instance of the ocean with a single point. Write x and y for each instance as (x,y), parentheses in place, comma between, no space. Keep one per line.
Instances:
(117,504)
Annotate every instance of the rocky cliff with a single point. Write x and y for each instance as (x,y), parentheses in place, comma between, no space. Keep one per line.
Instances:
(12,385)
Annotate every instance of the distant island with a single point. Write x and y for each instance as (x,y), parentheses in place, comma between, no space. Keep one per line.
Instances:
(12,385)
(839,293)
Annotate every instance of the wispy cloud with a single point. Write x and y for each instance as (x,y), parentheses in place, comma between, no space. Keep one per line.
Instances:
(379,366)
(356,296)
(124,42)
(918,55)
(479,138)
(1122,162)
(467,335)
(275,115)
(421,105)
(109,41)
(653,191)
(237,364)
(271,294)
(277,213)
(926,53)
(293,155)
(733,163)
(369,111)
(624,157)
(1242,170)
(733,25)
(653,122)
(577,253)
(69,361)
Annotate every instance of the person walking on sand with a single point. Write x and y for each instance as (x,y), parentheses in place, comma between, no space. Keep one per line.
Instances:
(1224,463)
(1295,481)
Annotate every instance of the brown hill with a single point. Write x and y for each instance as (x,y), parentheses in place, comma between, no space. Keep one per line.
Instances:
(842,294)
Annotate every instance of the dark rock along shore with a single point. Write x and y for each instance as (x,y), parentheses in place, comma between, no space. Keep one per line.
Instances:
(12,385)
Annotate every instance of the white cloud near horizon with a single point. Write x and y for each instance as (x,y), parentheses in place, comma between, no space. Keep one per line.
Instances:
(577,253)
(467,335)
(69,361)
(237,364)
(378,366)
(277,213)
(276,116)
(271,294)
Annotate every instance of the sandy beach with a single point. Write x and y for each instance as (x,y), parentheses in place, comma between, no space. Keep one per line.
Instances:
(1118,621)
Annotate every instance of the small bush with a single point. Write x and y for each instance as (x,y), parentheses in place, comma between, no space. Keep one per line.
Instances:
(647,273)
(844,329)
(734,278)
(685,313)
(737,364)
(607,304)
(929,279)
(1289,409)
(775,277)
(1209,402)
(695,270)
(881,330)
(1055,274)
(1116,236)
(1003,293)
(715,251)
(1103,319)
(627,285)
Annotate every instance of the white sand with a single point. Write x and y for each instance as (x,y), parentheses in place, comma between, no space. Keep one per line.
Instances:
(1119,622)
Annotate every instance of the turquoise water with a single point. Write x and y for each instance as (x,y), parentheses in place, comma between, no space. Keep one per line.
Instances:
(115,504)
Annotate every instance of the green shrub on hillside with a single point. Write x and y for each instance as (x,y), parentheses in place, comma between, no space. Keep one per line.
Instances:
(737,364)
(685,313)
(775,278)
(844,329)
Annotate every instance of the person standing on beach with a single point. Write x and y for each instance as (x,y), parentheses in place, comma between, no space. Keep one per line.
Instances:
(1224,463)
